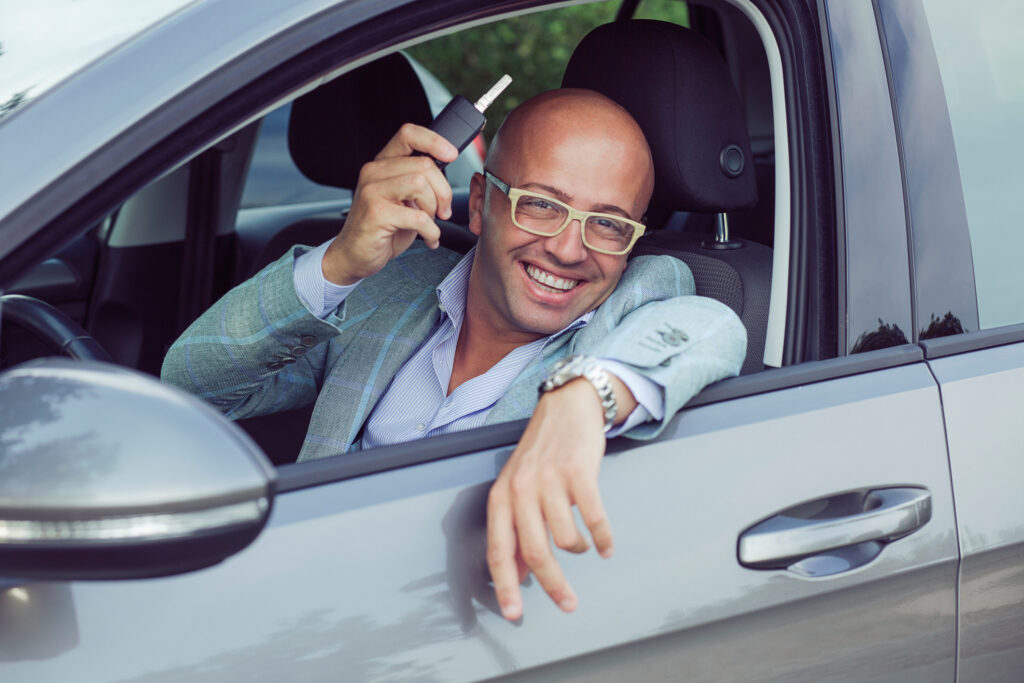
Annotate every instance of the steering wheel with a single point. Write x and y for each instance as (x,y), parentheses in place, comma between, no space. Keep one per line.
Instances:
(53,326)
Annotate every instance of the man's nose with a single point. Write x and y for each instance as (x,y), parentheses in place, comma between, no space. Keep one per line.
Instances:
(567,246)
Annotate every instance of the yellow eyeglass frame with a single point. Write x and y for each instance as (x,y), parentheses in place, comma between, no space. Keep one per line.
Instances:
(514,193)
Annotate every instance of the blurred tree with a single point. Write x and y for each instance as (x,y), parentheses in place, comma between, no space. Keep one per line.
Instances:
(532,48)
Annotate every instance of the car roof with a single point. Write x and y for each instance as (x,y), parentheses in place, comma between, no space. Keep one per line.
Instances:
(111,95)
(47,41)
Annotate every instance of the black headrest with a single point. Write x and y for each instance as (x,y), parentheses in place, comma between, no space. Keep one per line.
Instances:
(341,125)
(677,87)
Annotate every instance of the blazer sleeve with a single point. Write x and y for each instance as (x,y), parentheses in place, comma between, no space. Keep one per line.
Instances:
(257,350)
(655,324)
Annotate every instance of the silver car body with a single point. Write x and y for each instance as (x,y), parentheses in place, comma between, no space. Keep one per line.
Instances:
(372,567)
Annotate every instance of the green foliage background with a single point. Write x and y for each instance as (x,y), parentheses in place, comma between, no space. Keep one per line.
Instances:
(532,48)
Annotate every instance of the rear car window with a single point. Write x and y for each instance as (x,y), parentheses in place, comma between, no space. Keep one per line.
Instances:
(981,60)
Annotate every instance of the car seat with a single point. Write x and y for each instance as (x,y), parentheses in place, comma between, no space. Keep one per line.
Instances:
(340,126)
(677,86)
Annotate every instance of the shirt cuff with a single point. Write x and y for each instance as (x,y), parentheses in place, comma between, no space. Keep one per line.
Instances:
(317,293)
(649,395)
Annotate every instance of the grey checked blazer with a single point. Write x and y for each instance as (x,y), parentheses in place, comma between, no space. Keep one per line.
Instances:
(259,350)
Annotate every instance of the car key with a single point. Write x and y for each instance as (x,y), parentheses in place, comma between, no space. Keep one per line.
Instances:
(459,122)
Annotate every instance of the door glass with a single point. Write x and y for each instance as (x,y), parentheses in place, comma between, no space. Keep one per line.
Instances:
(981,60)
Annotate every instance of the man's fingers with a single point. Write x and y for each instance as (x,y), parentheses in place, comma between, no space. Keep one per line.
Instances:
(408,218)
(536,552)
(400,178)
(411,189)
(388,217)
(524,571)
(501,555)
(411,138)
(588,500)
(558,514)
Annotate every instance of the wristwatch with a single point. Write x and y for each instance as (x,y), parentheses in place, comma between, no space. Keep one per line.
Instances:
(588,368)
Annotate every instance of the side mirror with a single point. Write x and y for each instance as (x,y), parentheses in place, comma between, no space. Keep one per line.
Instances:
(105,473)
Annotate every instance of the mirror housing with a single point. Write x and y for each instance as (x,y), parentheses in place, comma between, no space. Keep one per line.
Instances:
(105,473)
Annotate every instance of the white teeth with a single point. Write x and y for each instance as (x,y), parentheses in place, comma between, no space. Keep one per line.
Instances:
(546,278)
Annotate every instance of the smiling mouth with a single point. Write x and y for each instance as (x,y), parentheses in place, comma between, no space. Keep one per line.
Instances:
(549,282)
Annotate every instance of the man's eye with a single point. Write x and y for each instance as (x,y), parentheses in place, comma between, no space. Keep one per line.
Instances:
(611,225)
(538,203)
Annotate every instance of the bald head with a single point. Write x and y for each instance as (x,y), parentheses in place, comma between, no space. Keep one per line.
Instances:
(574,120)
(575,147)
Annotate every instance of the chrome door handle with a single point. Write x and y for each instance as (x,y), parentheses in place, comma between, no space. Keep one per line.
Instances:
(793,534)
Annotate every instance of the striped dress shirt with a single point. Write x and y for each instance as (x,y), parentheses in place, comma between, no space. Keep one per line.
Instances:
(416,403)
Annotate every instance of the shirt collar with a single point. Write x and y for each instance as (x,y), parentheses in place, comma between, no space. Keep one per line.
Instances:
(451,298)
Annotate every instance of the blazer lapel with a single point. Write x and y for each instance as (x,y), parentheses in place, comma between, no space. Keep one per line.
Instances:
(521,398)
(377,346)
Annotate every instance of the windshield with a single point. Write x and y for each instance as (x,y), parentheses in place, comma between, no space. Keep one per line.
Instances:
(44,41)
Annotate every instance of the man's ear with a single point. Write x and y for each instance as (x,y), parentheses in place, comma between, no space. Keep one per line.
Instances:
(477,189)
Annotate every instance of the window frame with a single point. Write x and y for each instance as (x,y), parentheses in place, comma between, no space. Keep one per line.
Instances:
(808,358)
(310,52)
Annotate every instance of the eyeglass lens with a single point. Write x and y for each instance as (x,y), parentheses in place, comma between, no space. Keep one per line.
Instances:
(543,216)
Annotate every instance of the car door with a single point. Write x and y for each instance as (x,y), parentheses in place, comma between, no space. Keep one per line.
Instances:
(382,575)
(958,79)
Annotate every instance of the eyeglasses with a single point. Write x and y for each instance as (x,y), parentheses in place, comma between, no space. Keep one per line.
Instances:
(542,215)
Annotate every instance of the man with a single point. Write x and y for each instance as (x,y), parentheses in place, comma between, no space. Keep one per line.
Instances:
(394,341)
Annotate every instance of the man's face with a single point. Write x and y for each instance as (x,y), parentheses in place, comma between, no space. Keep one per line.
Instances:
(529,286)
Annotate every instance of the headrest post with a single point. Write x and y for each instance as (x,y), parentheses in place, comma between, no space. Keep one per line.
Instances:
(721,240)
(722,227)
